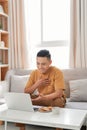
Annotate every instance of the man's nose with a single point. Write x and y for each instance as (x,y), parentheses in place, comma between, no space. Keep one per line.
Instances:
(40,66)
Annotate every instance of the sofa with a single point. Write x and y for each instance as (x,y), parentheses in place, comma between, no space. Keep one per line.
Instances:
(75,83)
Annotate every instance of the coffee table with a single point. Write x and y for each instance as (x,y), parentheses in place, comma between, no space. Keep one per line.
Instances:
(66,118)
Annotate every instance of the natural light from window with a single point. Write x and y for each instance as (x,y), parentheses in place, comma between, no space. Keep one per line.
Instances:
(48,24)
(54,15)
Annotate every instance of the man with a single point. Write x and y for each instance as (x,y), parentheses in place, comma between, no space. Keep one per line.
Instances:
(46,83)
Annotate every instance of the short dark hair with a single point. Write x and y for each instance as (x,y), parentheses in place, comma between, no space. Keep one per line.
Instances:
(44,53)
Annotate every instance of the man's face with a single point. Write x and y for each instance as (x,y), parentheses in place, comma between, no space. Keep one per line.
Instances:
(43,64)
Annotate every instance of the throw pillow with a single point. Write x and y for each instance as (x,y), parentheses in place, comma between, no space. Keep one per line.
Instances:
(18,83)
(78,90)
(3,88)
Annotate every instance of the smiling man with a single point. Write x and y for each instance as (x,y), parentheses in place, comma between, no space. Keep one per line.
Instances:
(46,83)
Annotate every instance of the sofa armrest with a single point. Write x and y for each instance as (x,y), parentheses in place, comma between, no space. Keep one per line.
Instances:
(3,88)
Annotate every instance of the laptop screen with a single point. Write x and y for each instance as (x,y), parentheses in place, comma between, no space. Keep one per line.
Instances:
(19,101)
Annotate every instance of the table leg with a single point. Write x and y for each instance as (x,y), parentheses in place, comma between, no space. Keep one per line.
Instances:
(5,125)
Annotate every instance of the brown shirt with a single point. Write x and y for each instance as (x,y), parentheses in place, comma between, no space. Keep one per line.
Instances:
(56,82)
(53,74)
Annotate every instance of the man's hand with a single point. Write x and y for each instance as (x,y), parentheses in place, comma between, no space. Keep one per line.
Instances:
(42,82)
(39,98)
(39,82)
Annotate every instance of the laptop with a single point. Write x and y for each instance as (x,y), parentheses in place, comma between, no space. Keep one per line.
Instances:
(19,101)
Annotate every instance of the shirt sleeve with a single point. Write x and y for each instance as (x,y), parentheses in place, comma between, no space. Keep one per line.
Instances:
(30,81)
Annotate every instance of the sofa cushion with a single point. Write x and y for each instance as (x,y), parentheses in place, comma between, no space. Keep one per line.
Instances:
(78,90)
(76,105)
(18,83)
(3,88)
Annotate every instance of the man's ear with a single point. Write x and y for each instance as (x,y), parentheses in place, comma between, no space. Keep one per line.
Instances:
(50,62)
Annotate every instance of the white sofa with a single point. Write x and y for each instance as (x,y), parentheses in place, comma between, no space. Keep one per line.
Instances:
(75,82)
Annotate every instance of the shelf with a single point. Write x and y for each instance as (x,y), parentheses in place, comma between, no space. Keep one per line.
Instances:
(4,38)
(3,14)
(4,48)
(4,32)
(3,65)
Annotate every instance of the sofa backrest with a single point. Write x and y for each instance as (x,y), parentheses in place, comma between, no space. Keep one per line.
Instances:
(69,74)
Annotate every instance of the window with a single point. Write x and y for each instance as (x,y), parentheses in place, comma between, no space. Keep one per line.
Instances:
(55,16)
(49,28)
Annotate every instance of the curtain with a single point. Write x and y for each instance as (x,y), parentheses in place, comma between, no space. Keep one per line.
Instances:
(78,35)
(18,43)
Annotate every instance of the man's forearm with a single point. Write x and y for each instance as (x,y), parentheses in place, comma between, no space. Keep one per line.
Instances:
(31,89)
(54,95)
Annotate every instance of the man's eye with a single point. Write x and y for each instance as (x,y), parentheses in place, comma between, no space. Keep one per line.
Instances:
(37,63)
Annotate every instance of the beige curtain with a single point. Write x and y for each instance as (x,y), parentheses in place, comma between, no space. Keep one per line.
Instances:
(78,40)
(18,56)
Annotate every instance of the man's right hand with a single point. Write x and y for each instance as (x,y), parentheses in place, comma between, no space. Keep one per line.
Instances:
(42,82)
